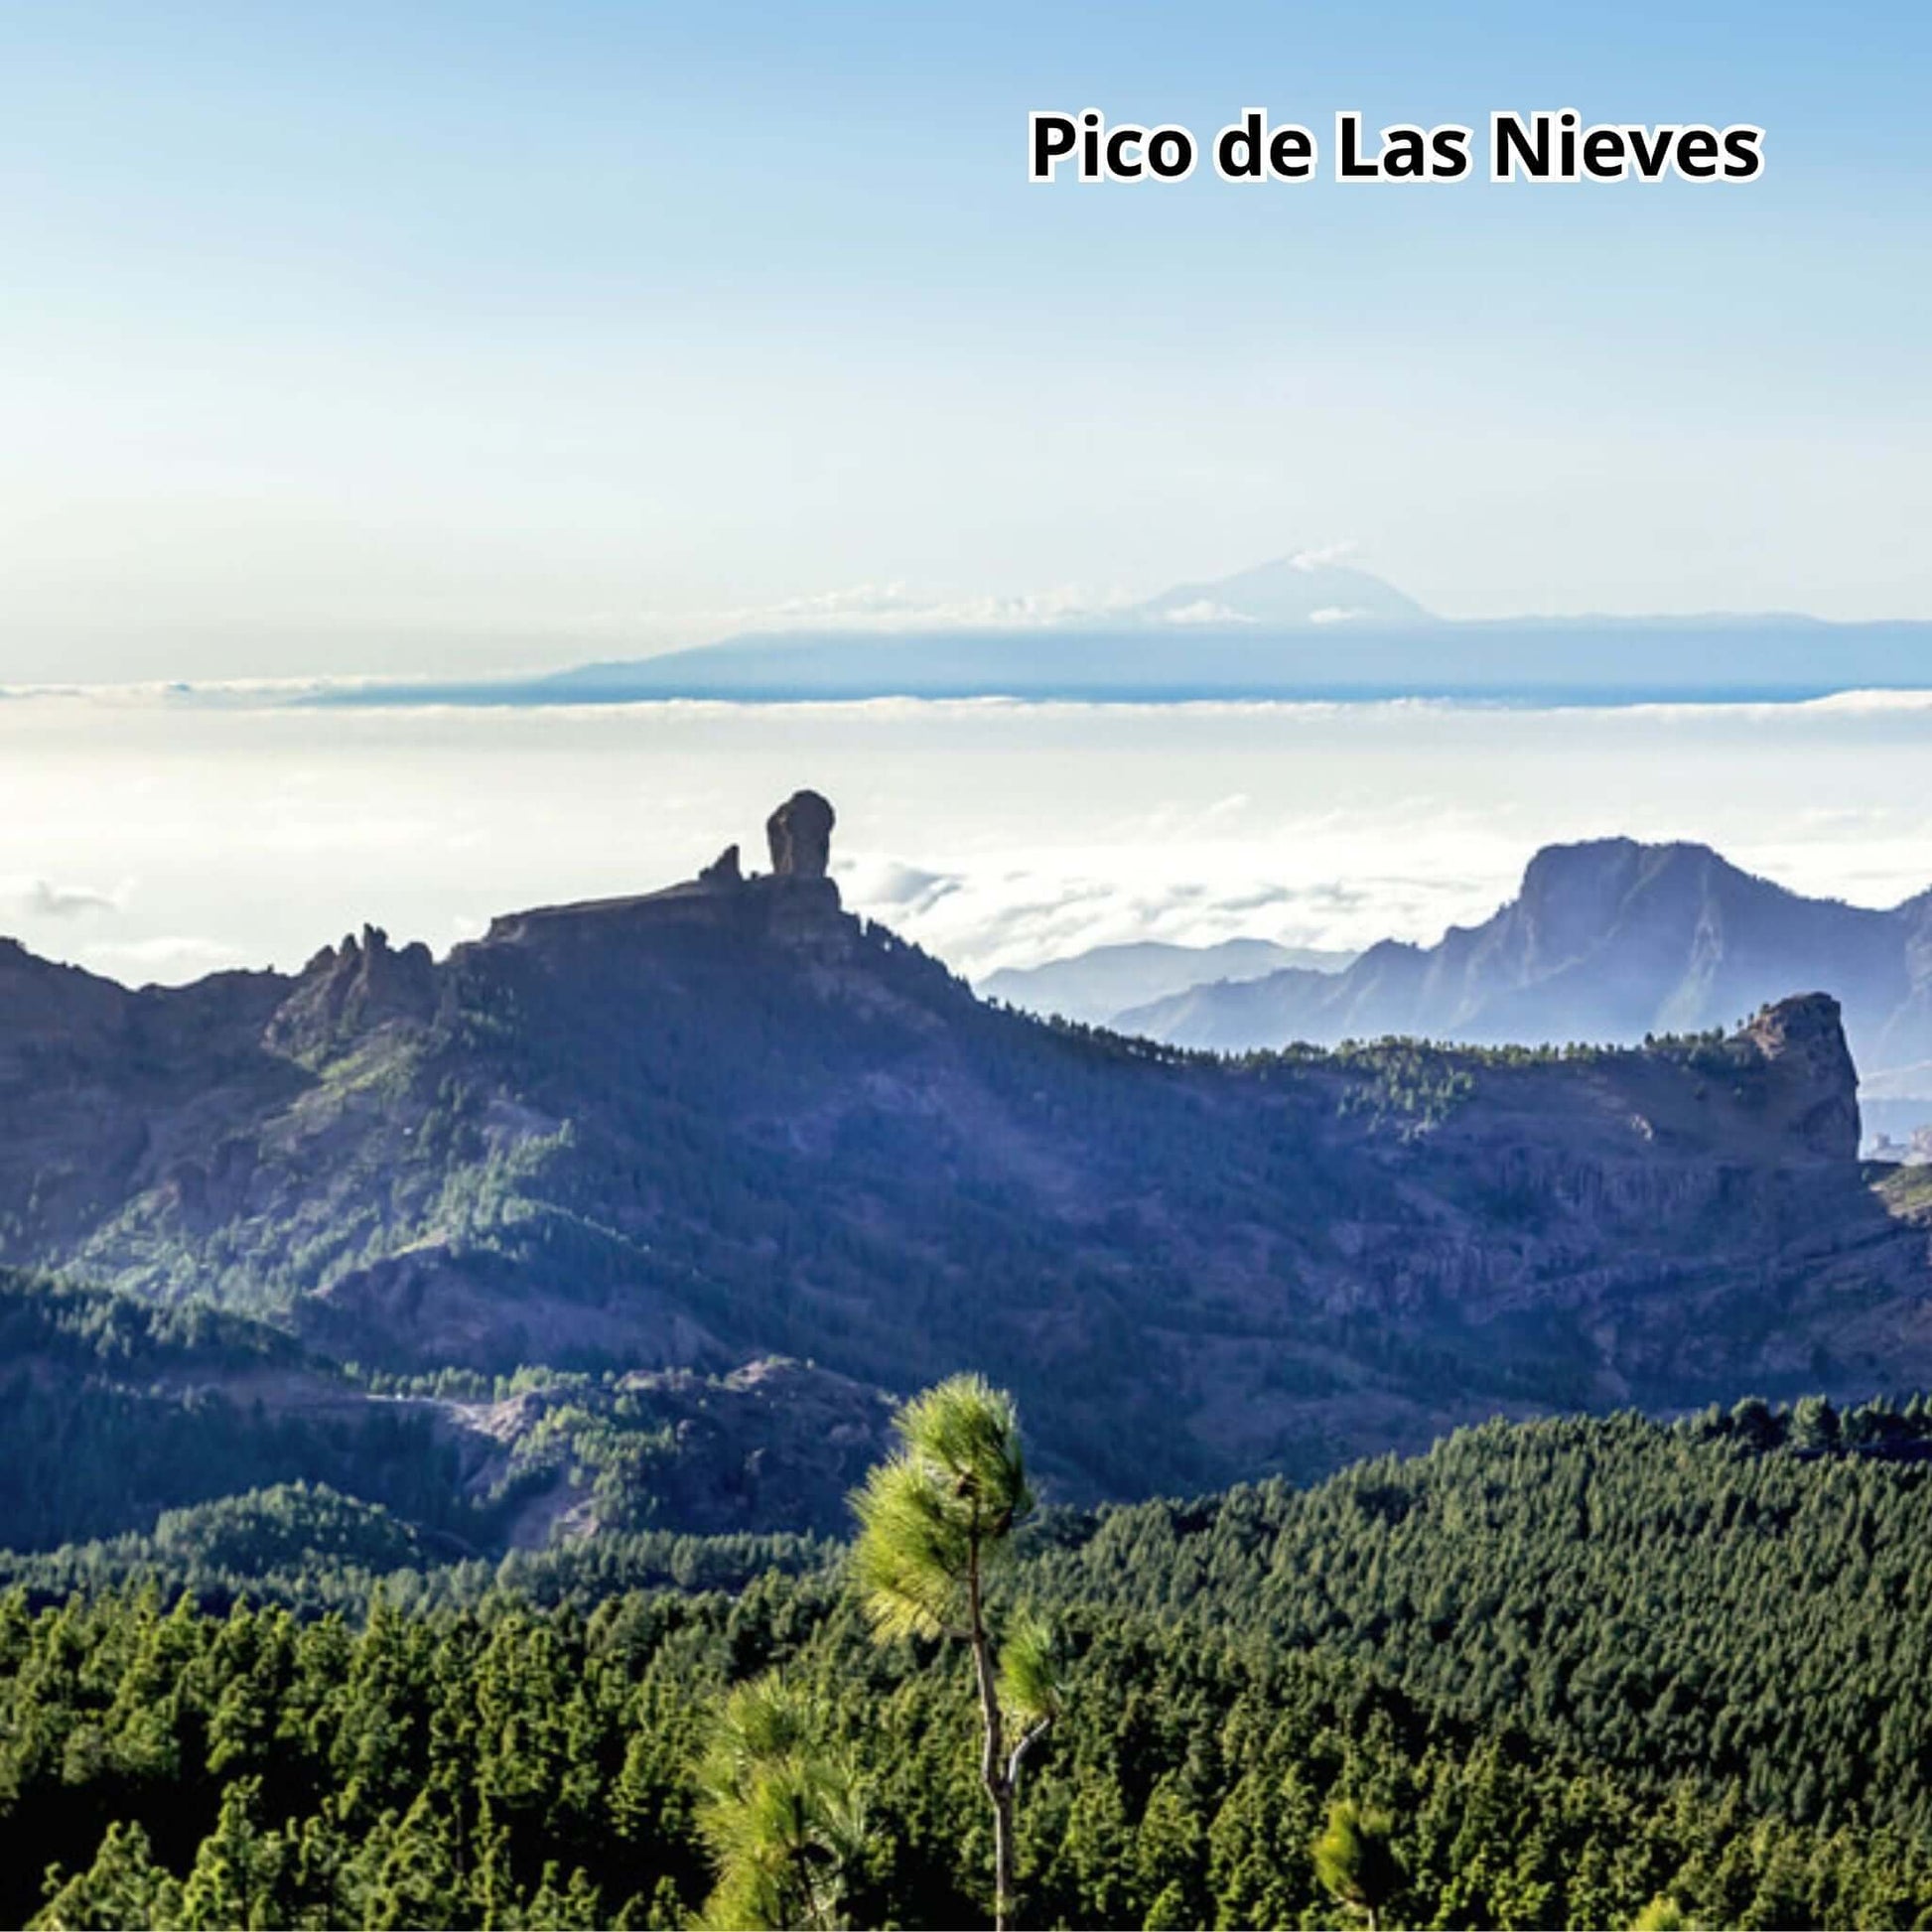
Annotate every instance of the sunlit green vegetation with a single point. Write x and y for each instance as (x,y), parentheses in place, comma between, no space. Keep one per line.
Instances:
(1574,1672)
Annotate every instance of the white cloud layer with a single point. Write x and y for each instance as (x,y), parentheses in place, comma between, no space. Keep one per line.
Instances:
(1205,609)
(992,833)
(1325,554)
(894,608)
(40,899)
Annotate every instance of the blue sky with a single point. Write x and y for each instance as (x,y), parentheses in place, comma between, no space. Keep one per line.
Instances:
(386,339)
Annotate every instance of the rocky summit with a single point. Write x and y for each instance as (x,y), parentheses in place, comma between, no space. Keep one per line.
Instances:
(1607,940)
(800,836)
(727,1122)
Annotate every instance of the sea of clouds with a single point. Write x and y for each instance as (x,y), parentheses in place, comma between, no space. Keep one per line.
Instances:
(160,834)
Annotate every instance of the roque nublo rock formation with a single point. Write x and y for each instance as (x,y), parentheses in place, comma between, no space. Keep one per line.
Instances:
(801,835)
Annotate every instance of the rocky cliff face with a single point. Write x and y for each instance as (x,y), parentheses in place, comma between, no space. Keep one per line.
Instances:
(1610,940)
(1803,1042)
(352,989)
(726,1120)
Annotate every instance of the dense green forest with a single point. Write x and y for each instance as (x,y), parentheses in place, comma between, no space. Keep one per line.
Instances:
(1582,1666)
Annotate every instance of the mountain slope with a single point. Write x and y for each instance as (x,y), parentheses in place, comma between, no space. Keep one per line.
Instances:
(727,1121)
(1096,986)
(114,1410)
(1605,941)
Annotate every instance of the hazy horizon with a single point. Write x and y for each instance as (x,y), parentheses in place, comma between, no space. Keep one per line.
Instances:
(882,609)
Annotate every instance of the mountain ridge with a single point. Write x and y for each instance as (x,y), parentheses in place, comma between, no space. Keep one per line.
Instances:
(728,1120)
(1606,939)
(1098,985)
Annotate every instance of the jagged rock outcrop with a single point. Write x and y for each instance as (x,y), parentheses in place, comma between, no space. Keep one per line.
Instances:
(723,872)
(800,836)
(352,987)
(1803,1038)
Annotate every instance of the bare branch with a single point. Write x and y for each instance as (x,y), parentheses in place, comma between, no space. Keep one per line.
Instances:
(1029,1738)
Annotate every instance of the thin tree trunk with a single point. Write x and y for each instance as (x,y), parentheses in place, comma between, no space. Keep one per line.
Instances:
(993,1768)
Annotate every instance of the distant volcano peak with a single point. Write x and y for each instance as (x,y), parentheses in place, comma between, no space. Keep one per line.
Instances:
(1307,587)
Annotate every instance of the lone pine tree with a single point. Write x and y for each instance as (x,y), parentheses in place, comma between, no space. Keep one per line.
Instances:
(936,1522)
(1354,1859)
(780,1810)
